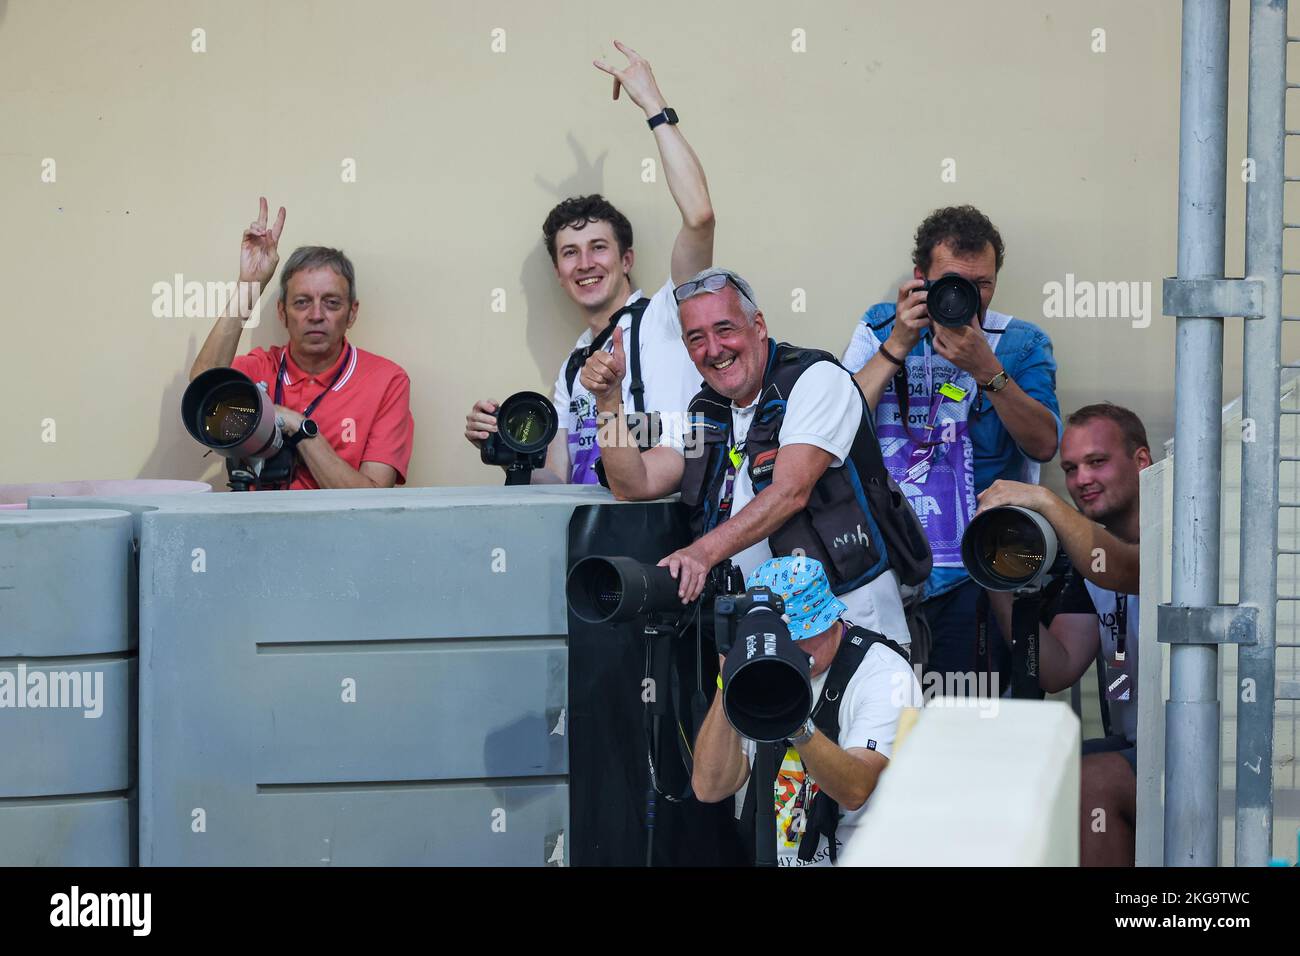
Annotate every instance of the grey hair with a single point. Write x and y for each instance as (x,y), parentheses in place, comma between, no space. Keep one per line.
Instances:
(318,257)
(748,304)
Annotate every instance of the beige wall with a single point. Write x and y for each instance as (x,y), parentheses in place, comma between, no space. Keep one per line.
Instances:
(821,164)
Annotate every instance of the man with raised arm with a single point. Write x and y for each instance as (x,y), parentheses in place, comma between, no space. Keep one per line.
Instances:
(348,409)
(590,245)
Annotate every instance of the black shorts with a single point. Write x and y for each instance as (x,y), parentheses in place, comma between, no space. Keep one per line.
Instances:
(1116,743)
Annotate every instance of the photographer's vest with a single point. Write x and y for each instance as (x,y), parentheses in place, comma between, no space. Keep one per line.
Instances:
(857,523)
(821,816)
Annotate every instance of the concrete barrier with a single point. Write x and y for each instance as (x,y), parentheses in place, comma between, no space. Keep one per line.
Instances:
(972,786)
(67,689)
(366,678)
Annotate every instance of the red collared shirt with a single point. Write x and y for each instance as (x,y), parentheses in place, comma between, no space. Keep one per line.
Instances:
(366,416)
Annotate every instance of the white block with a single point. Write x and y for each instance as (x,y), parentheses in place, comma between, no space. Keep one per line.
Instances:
(991,785)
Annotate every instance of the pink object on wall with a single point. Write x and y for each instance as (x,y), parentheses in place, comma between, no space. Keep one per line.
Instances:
(14,497)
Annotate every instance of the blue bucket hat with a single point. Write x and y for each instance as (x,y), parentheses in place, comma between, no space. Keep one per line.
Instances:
(802,584)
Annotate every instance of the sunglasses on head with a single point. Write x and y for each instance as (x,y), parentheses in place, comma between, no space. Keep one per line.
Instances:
(713,283)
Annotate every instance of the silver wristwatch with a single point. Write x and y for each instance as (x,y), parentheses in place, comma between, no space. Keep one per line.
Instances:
(805,734)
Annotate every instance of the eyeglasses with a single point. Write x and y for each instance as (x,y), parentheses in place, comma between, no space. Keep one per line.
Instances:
(713,283)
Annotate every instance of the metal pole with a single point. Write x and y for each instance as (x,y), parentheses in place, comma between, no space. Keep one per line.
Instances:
(1192,711)
(1261,387)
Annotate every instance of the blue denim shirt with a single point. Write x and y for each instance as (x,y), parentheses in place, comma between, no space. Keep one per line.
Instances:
(1025,352)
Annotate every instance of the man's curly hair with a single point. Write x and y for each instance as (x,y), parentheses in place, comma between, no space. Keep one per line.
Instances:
(965,229)
(577,211)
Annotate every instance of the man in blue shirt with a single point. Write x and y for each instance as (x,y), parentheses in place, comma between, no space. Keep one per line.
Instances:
(956,409)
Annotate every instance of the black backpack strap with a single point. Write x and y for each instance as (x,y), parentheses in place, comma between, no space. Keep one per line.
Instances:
(823,815)
(637,309)
(578,357)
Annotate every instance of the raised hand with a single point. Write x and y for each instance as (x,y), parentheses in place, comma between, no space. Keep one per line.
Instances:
(259,254)
(911,318)
(603,373)
(637,78)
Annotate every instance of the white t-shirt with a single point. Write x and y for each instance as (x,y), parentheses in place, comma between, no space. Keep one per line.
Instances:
(670,378)
(1123,713)
(824,409)
(877,692)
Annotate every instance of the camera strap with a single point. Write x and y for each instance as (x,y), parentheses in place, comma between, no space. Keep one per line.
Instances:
(1026,658)
(578,357)
(279,380)
(1039,603)
(983,652)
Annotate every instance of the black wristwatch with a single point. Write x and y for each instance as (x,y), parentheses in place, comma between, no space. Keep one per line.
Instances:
(308,429)
(669,116)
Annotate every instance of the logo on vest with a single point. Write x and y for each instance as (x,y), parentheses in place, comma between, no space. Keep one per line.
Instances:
(857,536)
(762,467)
(926,505)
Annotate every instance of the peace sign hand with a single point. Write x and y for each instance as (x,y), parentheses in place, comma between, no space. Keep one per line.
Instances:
(259,254)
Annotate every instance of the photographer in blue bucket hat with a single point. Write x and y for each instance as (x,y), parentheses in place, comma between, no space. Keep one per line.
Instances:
(861,681)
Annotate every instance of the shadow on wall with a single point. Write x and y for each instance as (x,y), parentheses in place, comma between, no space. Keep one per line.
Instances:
(175,454)
(552,325)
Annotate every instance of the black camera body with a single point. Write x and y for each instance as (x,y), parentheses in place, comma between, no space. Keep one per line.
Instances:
(766,678)
(526,424)
(953,300)
(729,608)
(767,691)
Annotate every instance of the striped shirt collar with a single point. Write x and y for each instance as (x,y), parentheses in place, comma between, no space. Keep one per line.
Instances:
(293,375)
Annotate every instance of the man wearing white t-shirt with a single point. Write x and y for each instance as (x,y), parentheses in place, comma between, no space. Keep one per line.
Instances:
(590,244)
(779,457)
(815,769)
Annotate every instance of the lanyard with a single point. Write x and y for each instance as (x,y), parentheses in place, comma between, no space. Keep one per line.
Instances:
(934,400)
(279,382)
(735,457)
(1121,623)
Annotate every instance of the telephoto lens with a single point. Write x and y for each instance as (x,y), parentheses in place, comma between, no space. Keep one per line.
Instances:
(766,682)
(1010,549)
(612,590)
(953,300)
(223,410)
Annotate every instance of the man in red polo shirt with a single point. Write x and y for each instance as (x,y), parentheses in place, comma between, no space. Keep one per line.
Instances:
(352,406)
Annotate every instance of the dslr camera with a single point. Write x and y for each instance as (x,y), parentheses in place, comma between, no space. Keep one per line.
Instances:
(953,300)
(767,687)
(526,424)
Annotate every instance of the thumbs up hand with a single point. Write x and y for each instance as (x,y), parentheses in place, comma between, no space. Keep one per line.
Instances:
(603,375)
